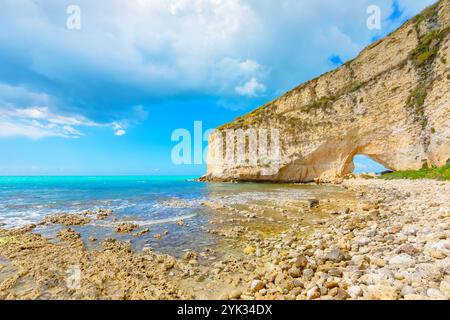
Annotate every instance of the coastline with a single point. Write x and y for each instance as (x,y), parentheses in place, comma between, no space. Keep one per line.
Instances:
(392,242)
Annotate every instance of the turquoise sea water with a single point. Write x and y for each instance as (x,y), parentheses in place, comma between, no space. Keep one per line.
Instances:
(28,199)
(142,200)
(151,202)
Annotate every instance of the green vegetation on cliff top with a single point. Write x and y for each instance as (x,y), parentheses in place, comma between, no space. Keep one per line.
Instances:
(442,173)
(423,55)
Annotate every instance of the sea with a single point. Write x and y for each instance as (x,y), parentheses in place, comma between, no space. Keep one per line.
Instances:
(153,202)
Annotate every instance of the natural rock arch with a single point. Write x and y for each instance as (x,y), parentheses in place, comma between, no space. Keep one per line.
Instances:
(389,103)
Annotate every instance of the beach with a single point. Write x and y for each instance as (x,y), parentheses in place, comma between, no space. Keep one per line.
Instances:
(363,239)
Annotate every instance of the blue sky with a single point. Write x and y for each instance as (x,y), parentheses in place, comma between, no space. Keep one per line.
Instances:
(105,99)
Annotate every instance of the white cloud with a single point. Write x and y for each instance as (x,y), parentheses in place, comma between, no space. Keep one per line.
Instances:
(140,50)
(18,118)
(40,122)
(120,132)
(251,88)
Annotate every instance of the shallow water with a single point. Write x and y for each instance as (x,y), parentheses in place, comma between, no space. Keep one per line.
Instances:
(151,202)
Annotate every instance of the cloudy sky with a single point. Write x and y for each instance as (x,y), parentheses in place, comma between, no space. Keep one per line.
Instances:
(104,98)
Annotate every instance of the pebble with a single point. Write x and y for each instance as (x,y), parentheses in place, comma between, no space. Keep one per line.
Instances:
(335,254)
(313,293)
(407,290)
(301,262)
(308,274)
(381,292)
(235,294)
(436,294)
(403,261)
(355,292)
(295,272)
(257,285)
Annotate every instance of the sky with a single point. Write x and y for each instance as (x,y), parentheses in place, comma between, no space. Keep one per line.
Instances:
(98,87)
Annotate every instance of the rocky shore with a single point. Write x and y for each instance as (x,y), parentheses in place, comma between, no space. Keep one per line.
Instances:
(387,240)
(394,245)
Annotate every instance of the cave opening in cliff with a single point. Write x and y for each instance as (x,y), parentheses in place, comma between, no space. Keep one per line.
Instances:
(365,164)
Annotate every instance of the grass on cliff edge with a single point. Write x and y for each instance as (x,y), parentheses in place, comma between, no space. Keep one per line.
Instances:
(442,173)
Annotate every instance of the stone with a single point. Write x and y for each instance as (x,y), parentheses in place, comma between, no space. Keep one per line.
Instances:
(235,294)
(295,272)
(334,272)
(257,285)
(313,293)
(439,250)
(403,261)
(382,292)
(342,294)
(378,262)
(445,287)
(126,227)
(335,254)
(142,232)
(355,292)
(301,262)
(436,294)
(331,284)
(407,290)
(308,274)
(190,255)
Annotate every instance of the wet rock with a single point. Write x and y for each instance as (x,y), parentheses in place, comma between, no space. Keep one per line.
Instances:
(409,249)
(126,227)
(342,294)
(180,222)
(190,255)
(67,220)
(68,235)
(313,202)
(142,232)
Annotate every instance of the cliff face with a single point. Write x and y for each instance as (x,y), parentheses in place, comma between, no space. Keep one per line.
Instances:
(391,103)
